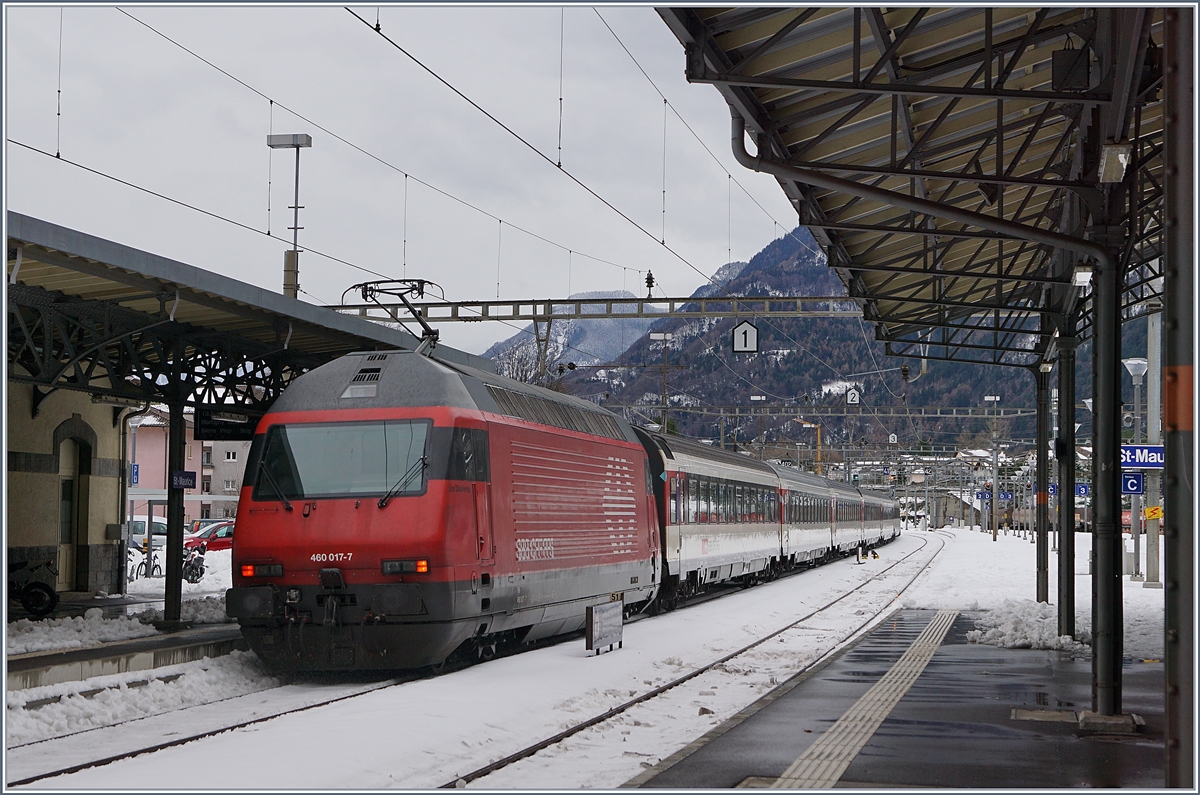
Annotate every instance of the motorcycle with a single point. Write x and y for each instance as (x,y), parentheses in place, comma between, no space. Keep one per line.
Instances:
(193,564)
(38,598)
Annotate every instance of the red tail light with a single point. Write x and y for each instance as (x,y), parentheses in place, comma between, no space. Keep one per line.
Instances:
(262,569)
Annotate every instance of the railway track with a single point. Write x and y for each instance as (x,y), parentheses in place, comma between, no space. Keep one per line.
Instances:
(531,750)
(96,756)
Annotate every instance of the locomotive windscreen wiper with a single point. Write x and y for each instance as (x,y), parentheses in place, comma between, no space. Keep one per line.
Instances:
(417,468)
(274,484)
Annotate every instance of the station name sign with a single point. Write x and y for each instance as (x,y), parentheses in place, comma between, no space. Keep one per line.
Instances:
(1142,456)
(211,425)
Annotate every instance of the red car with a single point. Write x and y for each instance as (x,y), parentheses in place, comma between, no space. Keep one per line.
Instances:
(214,537)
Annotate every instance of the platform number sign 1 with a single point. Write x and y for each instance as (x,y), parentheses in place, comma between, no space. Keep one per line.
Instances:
(745,337)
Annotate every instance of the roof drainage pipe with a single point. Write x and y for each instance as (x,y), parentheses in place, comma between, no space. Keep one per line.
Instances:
(914,203)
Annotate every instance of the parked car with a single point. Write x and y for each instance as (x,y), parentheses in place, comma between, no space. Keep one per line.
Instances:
(196,525)
(137,531)
(212,538)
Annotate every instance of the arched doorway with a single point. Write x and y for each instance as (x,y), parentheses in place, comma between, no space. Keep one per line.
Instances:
(74,469)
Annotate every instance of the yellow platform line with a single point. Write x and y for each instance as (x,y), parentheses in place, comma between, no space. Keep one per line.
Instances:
(823,763)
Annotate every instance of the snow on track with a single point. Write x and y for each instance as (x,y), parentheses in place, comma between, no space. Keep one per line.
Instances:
(430,731)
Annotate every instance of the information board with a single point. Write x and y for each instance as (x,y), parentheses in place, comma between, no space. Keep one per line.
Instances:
(605,624)
(211,425)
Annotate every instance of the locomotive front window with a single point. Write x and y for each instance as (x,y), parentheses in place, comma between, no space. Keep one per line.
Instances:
(345,459)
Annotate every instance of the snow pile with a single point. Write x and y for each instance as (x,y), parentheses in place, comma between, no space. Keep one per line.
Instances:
(54,634)
(1024,624)
(218,577)
(209,610)
(977,573)
(199,682)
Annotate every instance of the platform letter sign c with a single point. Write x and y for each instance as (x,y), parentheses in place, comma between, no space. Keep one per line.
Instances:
(1133,483)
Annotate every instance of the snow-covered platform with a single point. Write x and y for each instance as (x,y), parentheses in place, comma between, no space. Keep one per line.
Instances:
(134,654)
(960,715)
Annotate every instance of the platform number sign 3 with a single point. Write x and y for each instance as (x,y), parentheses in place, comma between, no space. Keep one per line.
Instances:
(745,337)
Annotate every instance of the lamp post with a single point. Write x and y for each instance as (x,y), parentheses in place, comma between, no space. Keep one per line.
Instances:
(995,512)
(291,259)
(1088,500)
(1137,368)
(664,337)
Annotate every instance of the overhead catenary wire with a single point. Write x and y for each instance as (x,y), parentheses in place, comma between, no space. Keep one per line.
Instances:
(248,228)
(193,207)
(432,187)
(58,111)
(562,26)
(699,140)
(270,159)
(363,151)
(664,175)
(404,234)
(543,156)
(729,255)
(534,149)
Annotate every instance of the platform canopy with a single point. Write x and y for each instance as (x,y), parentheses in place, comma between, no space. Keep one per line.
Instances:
(92,315)
(961,166)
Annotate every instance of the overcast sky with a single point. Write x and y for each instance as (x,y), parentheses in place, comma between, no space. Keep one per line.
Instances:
(139,108)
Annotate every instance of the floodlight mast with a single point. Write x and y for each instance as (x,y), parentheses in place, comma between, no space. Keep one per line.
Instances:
(291,259)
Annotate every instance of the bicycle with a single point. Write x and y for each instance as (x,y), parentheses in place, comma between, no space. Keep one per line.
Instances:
(139,570)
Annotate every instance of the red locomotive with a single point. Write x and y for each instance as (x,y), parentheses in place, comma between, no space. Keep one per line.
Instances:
(397,509)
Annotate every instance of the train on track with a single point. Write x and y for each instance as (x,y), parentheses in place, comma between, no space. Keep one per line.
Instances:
(398,509)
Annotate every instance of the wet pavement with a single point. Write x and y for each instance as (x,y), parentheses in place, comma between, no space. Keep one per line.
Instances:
(955,727)
(74,603)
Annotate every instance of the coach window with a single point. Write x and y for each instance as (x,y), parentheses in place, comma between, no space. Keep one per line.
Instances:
(673,510)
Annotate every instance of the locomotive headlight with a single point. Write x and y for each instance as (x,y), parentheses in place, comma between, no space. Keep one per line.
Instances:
(292,596)
(406,566)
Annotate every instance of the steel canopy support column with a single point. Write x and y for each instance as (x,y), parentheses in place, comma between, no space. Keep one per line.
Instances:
(1042,490)
(1178,397)
(174,548)
(1107,615)
(1065,454)
(1153,436)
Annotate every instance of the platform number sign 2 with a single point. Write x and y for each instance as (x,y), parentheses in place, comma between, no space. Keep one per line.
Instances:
(853,397)
(745,337)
